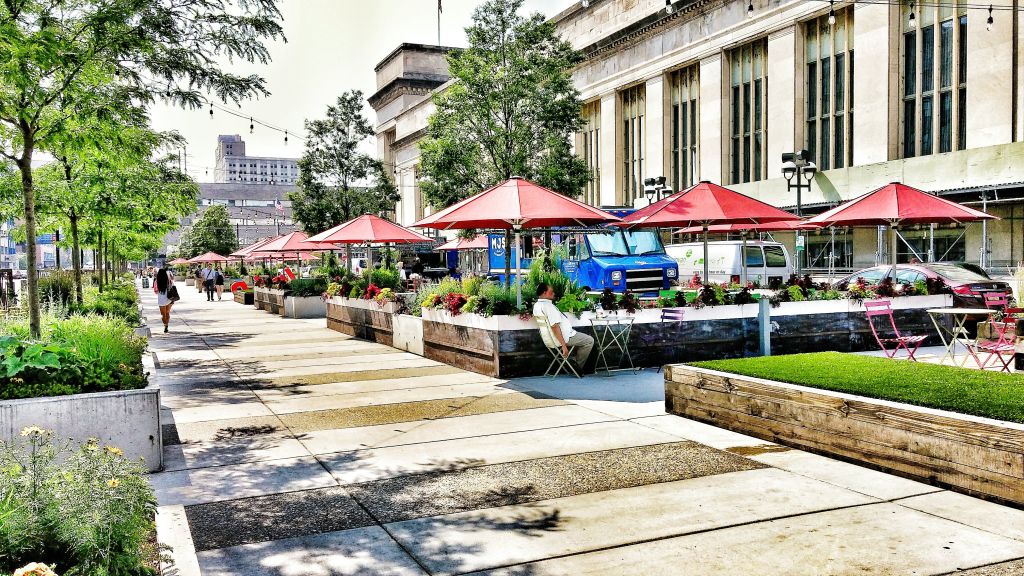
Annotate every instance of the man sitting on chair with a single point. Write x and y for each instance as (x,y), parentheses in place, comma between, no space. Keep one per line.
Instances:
(561,326)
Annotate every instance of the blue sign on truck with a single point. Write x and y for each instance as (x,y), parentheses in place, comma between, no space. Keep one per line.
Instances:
(612,258)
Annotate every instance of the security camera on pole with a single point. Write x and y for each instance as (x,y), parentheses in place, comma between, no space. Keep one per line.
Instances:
(798,170)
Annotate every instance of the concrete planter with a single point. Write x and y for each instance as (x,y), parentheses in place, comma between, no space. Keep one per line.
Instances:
(976,455)
(305,307)
(190,281)
(129,420)
(407,333)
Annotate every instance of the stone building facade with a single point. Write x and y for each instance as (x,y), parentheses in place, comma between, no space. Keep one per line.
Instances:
(233,165)
(711,90)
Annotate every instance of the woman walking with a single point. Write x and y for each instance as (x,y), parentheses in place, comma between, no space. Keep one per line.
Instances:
(166,294)
(219,282)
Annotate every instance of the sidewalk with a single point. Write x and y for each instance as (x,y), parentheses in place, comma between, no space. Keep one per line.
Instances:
(293,450)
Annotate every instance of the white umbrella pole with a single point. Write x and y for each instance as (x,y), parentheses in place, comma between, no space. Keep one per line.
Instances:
(743,259)
(706,279)
(892,237)
(519,289)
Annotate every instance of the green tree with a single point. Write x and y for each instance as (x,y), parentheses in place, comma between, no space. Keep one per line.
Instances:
(212,232)
(510,110)
(63,59)
(337,182)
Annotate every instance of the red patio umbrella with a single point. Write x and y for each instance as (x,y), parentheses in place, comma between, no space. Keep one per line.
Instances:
(208,258)
(368,229)
(895,204)
(703,205)
(513,205)
(178,261)
(478,243)
(244,253)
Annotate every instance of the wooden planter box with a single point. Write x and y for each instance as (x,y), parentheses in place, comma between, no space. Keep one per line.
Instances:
(509,346)
(364,319)
(304,307)
(190,281)
(243,297)
(270,299)
(976,455)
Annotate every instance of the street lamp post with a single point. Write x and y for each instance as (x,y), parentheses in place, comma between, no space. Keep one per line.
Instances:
(655,189)
(798,170)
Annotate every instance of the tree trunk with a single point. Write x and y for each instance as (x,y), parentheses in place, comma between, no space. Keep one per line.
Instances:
(56,246)
(76,256)
(29,197)
(348,258)
(508,258)
(98,265)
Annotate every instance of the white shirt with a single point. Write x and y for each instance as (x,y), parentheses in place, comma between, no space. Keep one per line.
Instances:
(547,308)
(209,274)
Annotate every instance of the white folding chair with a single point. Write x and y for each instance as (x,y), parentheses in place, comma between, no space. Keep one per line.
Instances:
(558,362)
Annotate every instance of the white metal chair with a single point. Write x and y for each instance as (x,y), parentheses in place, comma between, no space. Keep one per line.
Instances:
(558,362)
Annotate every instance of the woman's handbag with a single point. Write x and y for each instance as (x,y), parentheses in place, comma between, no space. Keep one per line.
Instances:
(172,294)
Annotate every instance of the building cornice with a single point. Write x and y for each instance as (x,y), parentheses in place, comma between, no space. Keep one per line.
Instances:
(636,31)
(419,84)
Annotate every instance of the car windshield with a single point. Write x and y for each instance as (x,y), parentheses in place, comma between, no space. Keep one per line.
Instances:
(956,273)
(643,242)
(610,244)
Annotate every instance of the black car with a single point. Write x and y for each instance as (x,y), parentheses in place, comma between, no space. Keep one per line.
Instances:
(968,282)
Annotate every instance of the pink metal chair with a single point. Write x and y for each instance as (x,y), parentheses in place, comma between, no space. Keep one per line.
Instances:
(908,343)
(1002,348)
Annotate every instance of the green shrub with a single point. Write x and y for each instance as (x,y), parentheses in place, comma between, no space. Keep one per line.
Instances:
(112,351)
(86,509)
(383,278)
(303,287)
(58,286)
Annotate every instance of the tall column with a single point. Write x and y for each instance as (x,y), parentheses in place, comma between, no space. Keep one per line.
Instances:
(989,71)
(654,127)
(609,150)
(873,61)
(781,98)
(712,105)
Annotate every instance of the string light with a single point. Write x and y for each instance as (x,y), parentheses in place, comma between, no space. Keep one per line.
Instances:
(251,125)
(988,25)
(911,22)
(750,9)
(211,110)
(285,137)
(831,13)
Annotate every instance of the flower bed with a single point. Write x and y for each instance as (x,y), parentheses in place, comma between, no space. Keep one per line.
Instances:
(971,453)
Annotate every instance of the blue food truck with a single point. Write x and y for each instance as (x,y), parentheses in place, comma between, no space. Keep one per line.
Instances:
(613,258)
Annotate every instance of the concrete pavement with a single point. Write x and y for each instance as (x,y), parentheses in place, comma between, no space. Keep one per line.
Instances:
(295,450)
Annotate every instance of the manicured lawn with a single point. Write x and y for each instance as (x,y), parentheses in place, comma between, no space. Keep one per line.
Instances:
(991,394)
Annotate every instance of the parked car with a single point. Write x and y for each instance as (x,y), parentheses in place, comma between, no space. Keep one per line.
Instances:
(767,262)
(968,282)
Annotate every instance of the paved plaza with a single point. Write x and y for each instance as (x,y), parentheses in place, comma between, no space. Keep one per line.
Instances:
(294,450)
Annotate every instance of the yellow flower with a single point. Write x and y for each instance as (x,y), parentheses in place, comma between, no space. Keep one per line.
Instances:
(113,482)
(35,569)
(32,431)
(115,451)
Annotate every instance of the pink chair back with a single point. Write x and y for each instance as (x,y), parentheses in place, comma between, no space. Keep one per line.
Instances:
(996,300)
(878,308)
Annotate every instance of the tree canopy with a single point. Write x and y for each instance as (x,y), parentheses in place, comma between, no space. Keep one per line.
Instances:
(510,110)
(212,232)
(63,60)
(338,182)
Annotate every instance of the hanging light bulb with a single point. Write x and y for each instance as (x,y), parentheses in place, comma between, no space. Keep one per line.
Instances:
(285,137)
(251,125)
(912,21)
(668,7)
(750,9)
(831,13)
(211,110)
(990,21)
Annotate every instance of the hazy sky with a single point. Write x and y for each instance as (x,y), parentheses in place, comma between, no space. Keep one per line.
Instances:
(333,46)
